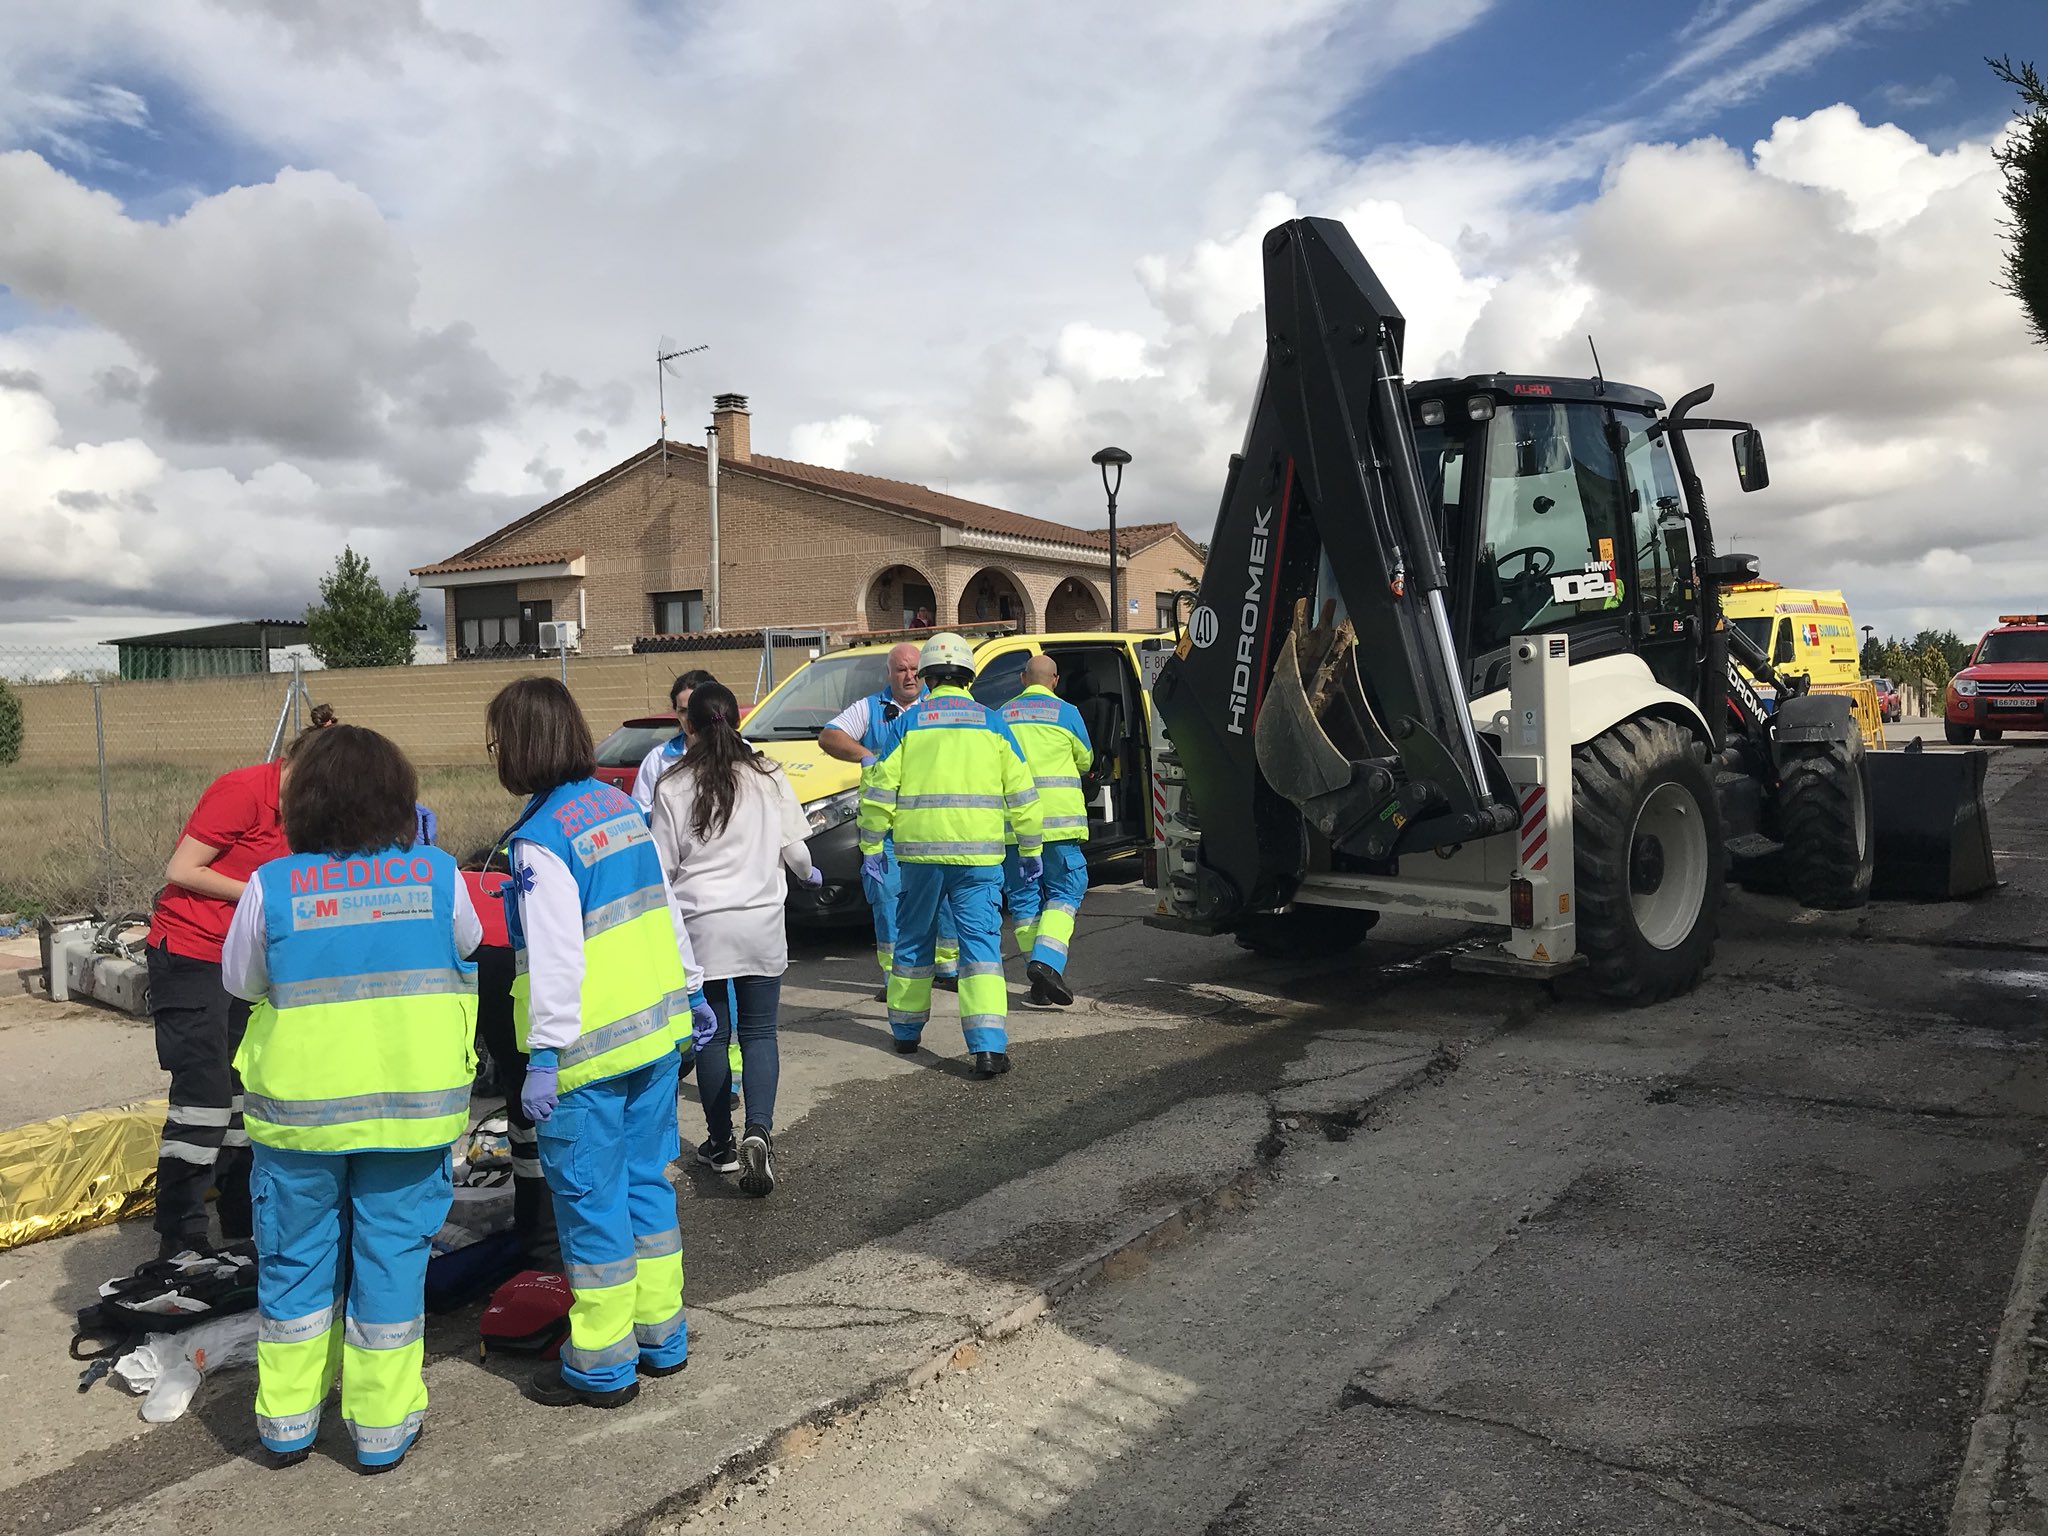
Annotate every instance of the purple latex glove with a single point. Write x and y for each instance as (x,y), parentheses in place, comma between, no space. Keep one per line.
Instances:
(815,877)
(867,759)
(875,867)
(538,1094)
(703,1022)
(1030,865)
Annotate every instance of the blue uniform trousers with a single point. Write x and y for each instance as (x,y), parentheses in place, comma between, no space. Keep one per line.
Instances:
(974,891)
(606,1151)
(883,896)
(1055,895)
(329,1223)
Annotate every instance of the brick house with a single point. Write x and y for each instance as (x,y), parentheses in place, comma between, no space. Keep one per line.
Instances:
(626,555)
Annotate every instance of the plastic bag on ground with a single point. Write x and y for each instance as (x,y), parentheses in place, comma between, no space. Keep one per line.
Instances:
(165,1369)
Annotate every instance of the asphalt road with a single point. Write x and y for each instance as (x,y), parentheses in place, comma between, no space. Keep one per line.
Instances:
(1483,1258)
(1734,1264)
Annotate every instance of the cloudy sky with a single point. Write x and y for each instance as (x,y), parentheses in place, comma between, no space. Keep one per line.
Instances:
(280,274)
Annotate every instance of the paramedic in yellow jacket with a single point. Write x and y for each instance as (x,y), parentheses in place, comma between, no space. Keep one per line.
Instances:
(954,791)
(356,1071)
(1049,732)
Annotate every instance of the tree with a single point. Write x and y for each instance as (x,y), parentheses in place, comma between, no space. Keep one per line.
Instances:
(11,728)
(2024,159)
(1872,658)
(357,623)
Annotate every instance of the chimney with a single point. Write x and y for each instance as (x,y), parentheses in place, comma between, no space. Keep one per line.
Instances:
(735,439)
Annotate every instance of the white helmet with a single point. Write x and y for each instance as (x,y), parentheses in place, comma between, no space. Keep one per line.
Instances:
(946,649)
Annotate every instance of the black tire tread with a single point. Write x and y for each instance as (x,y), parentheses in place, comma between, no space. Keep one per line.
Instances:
(1609,775)
(1959,735)
(1818,805)
(1304,932)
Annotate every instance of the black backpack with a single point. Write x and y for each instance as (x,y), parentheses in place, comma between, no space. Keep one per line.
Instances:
(164,1296)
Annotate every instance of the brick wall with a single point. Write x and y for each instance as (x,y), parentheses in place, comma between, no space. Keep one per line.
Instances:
(1151,571)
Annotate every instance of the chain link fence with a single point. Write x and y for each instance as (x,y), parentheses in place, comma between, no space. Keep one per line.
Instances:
(111,766)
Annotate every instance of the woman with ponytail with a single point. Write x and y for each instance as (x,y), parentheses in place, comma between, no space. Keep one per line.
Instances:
(726,825)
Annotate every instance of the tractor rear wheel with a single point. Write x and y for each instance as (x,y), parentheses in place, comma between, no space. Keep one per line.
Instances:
(1304,932)
(1828,821)
(1646,838)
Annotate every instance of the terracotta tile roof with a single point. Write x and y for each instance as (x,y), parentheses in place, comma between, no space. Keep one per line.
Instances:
(1132,537)
(918,500)
(498,562)
(900,496)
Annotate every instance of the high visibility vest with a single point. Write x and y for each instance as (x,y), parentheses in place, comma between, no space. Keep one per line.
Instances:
(953,788)
(1049,732)
(365,1040)
(635,1001)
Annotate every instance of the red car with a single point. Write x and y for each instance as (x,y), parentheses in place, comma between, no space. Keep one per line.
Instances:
(1888,702)
(619,754)
(2005,686)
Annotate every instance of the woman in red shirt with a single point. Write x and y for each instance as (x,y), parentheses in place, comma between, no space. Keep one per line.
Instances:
(234,828)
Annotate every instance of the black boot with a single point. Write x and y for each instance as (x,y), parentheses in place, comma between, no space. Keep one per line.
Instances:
(991,1063)
(1049,981)
(551,1391)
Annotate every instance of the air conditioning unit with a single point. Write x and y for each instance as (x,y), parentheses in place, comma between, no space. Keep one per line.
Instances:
(558,635)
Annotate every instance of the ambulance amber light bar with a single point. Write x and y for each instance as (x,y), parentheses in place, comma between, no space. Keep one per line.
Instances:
(2023,618)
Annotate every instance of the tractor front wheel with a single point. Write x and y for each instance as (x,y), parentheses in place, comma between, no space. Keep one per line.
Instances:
(1646,838)
(1829,824)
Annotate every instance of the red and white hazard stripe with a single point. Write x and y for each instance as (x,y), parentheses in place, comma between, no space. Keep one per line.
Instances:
(1535,828)
(1158,807)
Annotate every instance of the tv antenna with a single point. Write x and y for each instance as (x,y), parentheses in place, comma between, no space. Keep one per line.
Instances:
(665,353)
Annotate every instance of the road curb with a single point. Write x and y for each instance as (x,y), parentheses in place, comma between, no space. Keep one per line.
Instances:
(1112,1261)
(2005,1383)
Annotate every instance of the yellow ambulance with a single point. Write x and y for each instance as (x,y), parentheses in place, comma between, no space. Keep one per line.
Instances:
(1807,632)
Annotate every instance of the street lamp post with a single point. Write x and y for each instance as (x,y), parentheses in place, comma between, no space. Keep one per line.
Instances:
(1107,459)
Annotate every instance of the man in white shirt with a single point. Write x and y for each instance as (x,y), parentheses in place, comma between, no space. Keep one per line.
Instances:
(858,734)
(662,758)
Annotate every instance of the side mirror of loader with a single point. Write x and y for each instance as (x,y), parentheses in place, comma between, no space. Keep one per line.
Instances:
(1751,467)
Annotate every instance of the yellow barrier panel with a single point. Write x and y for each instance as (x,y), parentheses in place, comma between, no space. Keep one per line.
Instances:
(78,1171)
(1864,705)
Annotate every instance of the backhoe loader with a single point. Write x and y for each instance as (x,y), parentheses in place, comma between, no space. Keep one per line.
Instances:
(1458,651)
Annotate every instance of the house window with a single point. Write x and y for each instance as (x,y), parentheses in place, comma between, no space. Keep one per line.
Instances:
(678,613)
(1165,609)
(494,621)
(487,620)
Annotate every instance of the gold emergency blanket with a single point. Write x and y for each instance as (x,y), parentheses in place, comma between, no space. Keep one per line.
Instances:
(78,1171)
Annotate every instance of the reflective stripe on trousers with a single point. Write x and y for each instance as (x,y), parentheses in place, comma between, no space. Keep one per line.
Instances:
(973,892)
(606,1149)
(386,1207)
(1044,910)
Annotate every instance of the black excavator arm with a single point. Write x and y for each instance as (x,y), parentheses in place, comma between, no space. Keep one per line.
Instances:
(1356,724)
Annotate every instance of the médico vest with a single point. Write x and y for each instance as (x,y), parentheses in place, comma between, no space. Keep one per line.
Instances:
(365,1040)
(635,1002)
(1055,745)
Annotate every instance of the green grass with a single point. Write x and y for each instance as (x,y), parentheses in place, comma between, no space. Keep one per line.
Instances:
(51,855)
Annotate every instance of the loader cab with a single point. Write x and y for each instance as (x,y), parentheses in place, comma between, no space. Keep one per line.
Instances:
(1558,509)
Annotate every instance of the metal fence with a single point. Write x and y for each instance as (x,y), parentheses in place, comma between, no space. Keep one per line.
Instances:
(111,767)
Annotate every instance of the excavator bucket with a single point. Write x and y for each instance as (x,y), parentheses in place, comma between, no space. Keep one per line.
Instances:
(1317,739)
(1933,833)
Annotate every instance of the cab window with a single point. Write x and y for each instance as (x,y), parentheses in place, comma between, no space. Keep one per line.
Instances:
(1662,543)
(1001,679)
(1556,506)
